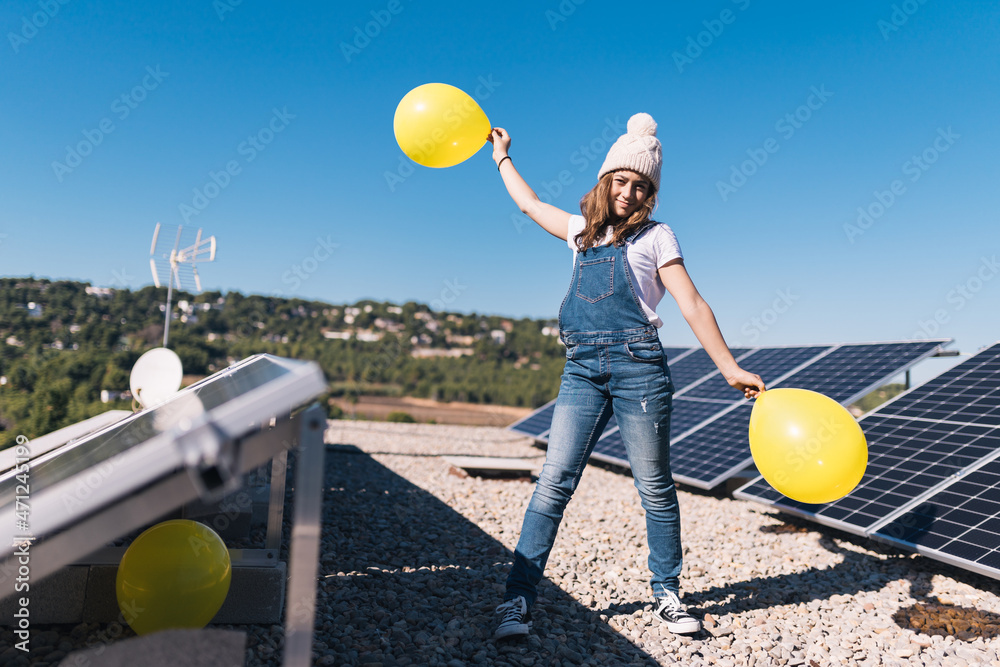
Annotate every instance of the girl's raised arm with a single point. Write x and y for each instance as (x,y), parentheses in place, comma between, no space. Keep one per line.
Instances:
(553,220)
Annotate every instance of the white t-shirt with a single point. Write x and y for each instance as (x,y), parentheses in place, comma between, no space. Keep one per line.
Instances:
(646,255)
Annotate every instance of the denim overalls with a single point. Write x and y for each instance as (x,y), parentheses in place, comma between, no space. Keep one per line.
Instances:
(614,362)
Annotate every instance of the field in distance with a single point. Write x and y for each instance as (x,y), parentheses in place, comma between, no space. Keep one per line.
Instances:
(425,410)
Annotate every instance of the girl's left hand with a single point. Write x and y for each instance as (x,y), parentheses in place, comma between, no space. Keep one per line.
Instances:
(749,383)
(501,143)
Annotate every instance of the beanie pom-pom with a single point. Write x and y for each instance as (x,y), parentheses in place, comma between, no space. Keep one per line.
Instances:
(641,124)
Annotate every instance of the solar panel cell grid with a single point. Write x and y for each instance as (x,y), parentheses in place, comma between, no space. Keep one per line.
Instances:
(713,450)
(768,363)
(962,521)
(720,448)
(904,460)
(674,352)
(852,369)
(535,424)
(612,446)
(694,366)
(687,414)
(970,392)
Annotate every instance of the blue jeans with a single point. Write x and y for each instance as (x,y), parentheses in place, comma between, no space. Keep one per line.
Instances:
(633,379)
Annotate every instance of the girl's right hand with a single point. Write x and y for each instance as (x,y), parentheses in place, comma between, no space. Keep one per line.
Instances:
(501,143)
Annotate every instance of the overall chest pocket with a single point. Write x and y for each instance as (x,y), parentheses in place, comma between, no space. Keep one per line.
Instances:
(596,279)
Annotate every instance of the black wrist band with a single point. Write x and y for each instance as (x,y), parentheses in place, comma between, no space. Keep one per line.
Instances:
(505,157)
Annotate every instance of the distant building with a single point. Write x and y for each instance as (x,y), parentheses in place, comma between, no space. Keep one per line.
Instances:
(460,340)
(108,395)
(103,292)
(499,336)
(423,353)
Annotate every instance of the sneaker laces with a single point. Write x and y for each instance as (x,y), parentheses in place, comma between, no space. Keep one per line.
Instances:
(511,611)
(672,602)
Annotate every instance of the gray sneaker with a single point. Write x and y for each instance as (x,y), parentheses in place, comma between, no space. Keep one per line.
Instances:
(514,619)
(671,611)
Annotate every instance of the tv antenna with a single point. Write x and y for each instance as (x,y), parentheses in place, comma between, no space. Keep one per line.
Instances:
(178,265)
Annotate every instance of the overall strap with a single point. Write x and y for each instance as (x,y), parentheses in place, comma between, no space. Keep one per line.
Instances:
(639,232)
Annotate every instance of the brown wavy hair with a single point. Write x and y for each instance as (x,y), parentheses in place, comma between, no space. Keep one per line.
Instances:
(596,209)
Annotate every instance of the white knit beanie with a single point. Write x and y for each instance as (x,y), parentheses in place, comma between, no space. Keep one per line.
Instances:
(638,150)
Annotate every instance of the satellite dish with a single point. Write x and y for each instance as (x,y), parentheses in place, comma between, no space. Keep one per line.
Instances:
(156,376)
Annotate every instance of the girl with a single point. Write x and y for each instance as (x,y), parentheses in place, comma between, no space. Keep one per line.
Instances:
(623,263)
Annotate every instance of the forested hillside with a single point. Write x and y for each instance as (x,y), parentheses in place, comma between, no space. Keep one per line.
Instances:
(62,343)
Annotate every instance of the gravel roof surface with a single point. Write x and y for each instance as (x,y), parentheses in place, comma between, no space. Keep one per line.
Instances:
(414,559)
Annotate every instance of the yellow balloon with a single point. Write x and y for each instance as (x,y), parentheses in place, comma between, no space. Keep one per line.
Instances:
(806,445)
(438,125)
(174,575)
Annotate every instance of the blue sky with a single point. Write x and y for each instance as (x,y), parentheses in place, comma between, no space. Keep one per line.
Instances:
(886,107)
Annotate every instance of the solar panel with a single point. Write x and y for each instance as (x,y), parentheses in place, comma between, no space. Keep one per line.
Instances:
(968,393)
(712,395)
(199,444)
(192,433)
(611,448)
(693,366)
(708,430)
(713,451)
(538,423)
(905,458)
(851,371)
(933,480)
(688,413)
(674,353)
(959,524)
(769,363)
